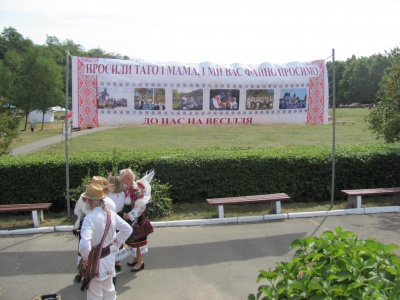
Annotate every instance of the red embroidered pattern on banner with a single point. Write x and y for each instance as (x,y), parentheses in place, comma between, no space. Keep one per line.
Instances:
(315,112)
(87,96)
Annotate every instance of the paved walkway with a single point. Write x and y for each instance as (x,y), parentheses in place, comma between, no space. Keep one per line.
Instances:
(32,147)
(185,262)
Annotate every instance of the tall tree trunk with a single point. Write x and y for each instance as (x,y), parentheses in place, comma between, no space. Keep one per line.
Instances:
(42,121)
(26,121)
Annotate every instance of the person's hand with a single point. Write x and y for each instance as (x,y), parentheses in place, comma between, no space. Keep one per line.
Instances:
(126,216)
(84,263)
(114,249)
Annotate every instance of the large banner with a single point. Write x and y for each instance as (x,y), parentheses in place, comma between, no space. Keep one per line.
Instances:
(116,92)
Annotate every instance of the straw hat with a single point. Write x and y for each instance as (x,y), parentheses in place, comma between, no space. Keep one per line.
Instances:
(99,180)
(94,191)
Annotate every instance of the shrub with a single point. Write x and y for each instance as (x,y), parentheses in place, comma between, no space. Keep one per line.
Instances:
(334,266)
(304,173)
(160,205)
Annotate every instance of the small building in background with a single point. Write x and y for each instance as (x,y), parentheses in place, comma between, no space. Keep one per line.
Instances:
(37,115)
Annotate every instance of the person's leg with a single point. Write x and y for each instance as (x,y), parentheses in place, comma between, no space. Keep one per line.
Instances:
(118,263)
(78,276)
(139,261)
(134,261)
(109,292)
(122,253)
(95,290)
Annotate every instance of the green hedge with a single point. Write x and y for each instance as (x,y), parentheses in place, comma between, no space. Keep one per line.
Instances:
(304,173)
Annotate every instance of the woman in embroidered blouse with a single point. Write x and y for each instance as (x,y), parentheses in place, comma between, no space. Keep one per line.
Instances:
(138,193)
(117,193)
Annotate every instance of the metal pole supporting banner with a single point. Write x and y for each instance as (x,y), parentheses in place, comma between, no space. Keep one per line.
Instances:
(333,125)
(66,131)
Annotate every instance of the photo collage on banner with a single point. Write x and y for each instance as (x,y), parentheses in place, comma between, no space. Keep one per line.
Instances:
(293,98)
(130,92)
(224,99)
(187,99)
(259,99)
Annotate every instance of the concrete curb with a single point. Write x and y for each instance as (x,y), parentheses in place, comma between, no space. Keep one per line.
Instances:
(386,209)
(202,222)
(275,217)
(250,219)
(307,214)
(31,230)
(63,228)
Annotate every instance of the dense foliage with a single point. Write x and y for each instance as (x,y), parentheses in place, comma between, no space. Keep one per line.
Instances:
(8,126)
(384,119)
(33,76)
(304,173)
(337,265)
(160,205)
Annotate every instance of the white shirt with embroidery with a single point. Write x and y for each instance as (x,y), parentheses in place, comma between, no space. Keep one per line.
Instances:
(92,232)
(137,211)
(80,209)
(118,199)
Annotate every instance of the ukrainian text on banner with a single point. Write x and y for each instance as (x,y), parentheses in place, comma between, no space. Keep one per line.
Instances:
(115,92)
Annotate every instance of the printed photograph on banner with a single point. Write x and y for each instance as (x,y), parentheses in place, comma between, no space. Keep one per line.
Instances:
(259,99)
(222,99)
(149,99)
(108,99)
(293,98)
(187,99)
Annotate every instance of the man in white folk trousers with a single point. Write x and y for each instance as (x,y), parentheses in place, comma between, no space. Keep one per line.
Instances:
(92,233)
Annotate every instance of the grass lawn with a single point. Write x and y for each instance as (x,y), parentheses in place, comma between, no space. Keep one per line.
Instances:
(203,137)
(209,136)
(191,211)
(49,130)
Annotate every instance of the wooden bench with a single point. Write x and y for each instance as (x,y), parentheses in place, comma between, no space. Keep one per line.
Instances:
(346,121)
(220,202)
(354,197)
(343,122)
(36,208)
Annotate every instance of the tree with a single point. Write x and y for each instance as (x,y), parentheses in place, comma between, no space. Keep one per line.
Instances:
(41,82)
(12,40)
(339,69)
(8,127)
(27,90)
(358,79)
(98,52)
(49,84)
(377,65)
(384,119)
(354,84)
(10,70)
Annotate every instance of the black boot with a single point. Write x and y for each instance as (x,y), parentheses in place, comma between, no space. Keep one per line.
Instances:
(78,278)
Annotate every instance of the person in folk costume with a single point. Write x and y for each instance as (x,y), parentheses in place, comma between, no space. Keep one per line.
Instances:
(117,194)
(139,193)
(93,229)
(128,179)
(81,211)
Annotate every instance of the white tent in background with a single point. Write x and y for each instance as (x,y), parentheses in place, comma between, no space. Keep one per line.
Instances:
(56,108)
(37,115)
